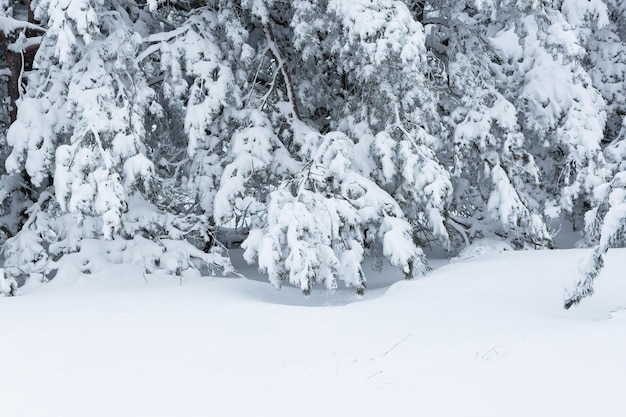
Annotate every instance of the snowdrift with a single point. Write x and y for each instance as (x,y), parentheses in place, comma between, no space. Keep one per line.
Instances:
(483,336)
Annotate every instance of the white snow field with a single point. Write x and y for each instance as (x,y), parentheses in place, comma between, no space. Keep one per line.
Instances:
(484,336)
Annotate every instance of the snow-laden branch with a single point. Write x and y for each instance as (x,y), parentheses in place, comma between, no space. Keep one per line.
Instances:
(166,36)
(24,43)
(9,25)
(436,21)
(158,38)
(147,52)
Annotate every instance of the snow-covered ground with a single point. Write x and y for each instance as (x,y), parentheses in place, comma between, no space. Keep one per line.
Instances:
(484,336)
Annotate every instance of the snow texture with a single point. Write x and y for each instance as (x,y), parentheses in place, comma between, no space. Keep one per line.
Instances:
(480,331)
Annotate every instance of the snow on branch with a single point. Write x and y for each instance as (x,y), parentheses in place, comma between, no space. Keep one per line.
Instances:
(8,25)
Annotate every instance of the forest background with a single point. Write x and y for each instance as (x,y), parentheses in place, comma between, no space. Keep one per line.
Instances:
(313,134)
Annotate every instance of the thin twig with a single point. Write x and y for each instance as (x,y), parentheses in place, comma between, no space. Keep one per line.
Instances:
(373,375)
(396,345)
(281,65)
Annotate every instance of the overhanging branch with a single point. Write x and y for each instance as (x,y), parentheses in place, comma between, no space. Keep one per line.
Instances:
(9,25)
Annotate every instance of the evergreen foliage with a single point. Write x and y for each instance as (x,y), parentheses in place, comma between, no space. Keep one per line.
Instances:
(313,133)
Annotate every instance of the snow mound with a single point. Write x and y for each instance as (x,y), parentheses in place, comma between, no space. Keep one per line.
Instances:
(483,247)
(479,332)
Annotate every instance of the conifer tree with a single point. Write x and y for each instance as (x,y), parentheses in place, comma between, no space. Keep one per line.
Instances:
(313,133)
(606,221)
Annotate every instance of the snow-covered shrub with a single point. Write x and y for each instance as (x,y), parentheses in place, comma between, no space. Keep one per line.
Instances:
(162,256)
(322,222)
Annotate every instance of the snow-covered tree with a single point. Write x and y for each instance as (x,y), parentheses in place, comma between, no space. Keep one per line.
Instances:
(80,133)
(313,133)
(372,101)
(390,108)
(605,222)
(495,178)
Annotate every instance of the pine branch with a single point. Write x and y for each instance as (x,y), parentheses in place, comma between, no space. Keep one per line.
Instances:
(584,288)
(436,21)
(9,25)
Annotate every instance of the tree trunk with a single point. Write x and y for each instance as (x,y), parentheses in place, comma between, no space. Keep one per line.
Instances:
(14,61)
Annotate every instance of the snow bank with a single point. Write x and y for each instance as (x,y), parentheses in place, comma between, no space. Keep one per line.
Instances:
(482,337)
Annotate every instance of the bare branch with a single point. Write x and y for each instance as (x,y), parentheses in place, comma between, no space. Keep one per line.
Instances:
(282,67)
